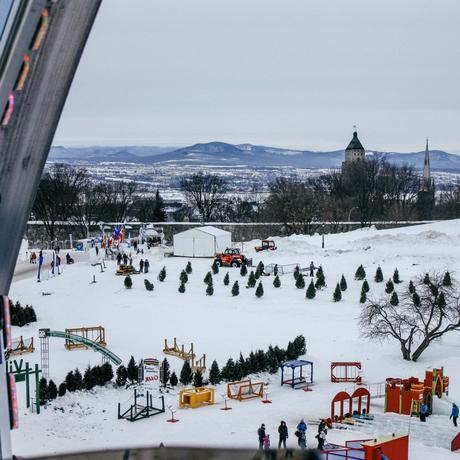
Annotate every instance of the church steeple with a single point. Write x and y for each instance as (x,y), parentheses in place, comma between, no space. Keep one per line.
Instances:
(426,166)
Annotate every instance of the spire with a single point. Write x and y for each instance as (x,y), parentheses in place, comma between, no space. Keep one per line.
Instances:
(426,165)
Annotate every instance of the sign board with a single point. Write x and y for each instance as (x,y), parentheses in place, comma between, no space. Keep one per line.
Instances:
(152,372)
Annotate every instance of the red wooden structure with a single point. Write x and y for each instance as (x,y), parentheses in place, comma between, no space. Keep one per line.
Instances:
(455,444)
(349,404)
(346,371)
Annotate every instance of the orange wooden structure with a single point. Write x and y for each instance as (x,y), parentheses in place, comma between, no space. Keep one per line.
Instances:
(455,444)
(346,371)
(196,397)
(21,346)
(394,446)
(349,404)
(96,334)
(405,396)
(186,355)
(245,389)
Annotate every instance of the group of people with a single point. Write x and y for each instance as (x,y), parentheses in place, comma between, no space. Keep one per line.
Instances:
(424,412)
(300,433)
(144,264)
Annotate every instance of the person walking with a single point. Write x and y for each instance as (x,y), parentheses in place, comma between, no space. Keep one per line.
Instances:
(301,434)
(118,259)
(312,269)
(266,442)
(125,259)
(261,434)
(141,265)
(146,266)
(423,412)
(454,413)
(283,432)
(321,436)
(302,426)
(40,263)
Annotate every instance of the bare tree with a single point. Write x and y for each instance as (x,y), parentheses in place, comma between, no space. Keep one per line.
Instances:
(420,318)
(204,192)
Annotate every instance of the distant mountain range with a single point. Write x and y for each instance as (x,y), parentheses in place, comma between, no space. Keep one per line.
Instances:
(243,155)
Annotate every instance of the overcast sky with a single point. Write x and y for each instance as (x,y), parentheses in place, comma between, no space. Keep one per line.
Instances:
(288,73)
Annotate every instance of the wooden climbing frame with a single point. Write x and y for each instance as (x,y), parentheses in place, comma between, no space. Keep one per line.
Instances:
(342,371)
(21,346)
(200,364)
(245,389)
(96,334)
(179,352)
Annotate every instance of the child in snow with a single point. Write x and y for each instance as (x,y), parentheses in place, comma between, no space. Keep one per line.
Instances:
(454,413)
(146,266)
(266,442)
(423,412)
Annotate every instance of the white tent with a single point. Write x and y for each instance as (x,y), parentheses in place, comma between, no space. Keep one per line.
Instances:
(201,242)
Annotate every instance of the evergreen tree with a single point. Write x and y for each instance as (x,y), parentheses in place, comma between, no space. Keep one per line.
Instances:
(164,372)
(272,360)
(210,290)
(78,380)
(260,290)
(300,282)
(89,379)
(183,277)
(148,285)
(106,373)
(243,270)
(208,278)
(215,267)
(62,389)
(261,361)
(29,314)
(228,371)
(235,289)
(198,379)
(52,390)
(363,297)
(128,282)
(214,374)
(122,376)
(446,282)
(320,278)
(416,299)
(251,280)
(290,351)
(296,272)
(360,273)
(173,379)
(337,294)
(162,274)
(311,291)
(186,374)
(43,391)
(242,366)
(426,280)
(378,275)
(132,373)
(394,300)
(98,375)
(343,283)
(300,345)
(411,287)
(396,279)
(365,286)
(277,282)
(181,288)
(441,300)
(226,279)
(70,381)
(251,363)
(188,268)
(389,287)
(159,211)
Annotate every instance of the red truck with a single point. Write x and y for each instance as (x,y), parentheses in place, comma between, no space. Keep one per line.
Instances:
(232,257)
(267,245)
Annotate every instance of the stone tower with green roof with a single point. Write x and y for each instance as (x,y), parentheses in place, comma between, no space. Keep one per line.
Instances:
(355,150)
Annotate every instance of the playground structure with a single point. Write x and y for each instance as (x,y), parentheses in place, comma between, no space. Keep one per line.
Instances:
(95,334)
(186,355)
(21,346)
(196,397)
(405,396)
(45,334)
(23,374)
(342,371)
(125,270)
(297,379)
(245,389)
(354,403)
(455,444)
(137,411)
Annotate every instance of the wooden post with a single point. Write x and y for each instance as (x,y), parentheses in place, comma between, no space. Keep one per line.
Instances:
(27,386)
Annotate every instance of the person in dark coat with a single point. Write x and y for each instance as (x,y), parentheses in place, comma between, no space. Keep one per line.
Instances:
(312,269)
(423,412)
(125,259)
(283,432)
(141,265)
(321,436)
(454,413)
(118,259)
(146,266)
(261,434)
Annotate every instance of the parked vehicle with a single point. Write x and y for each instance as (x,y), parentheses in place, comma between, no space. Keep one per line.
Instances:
(266,245)
(232,257)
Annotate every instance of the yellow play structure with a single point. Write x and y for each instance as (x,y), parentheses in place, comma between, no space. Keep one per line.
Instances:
(196,397)
(96,334)
(186,355)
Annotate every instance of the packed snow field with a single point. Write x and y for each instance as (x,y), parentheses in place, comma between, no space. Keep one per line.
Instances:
(222,326)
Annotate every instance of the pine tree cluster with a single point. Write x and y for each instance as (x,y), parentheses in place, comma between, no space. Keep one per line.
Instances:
(128,282)
(162,274)
(21,316)
(320,278)
(148,285)
(360,273)
(252,280)
(183,277)
(188,268)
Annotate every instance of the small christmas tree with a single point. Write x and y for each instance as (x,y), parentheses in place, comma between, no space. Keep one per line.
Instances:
(226,279)
(337,297)
(360,273)
(416,299)
(186,374)
(411,287)
(132,370)
(128,282)
(148,285)
(396,279)
(78,382)
(320,278)
(363,296)
(394,300)
(214,374)
(378,275)
(243,270)
(311,291)
(210,289)
(62,389)
(198,379)
(296,272)
(122,376)
(162,274)
(426,280)
(89,379)
(164,372)
(389,287)
(446,281)
(70,381)
(365,286)
(106,373)
(260,290)
(251,280)
(173,379)
(215,267)
(183,277)
(181,288)
(43,391)
(300,282)
(188,268)
(52,390)
(343,283)
(277,282)
(208,278)
(235,289)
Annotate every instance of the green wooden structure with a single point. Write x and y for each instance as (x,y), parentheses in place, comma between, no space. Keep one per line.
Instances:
(22,374)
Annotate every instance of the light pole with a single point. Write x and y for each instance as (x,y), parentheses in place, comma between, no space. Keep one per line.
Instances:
(322,236)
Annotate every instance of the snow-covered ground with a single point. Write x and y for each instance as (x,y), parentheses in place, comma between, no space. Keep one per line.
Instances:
(222,326)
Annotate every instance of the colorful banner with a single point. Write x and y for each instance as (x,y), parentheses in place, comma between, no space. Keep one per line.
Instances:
(152,372)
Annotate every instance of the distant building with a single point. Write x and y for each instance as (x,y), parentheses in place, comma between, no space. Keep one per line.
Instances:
(355,151)
(426,179)
(426,195)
